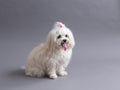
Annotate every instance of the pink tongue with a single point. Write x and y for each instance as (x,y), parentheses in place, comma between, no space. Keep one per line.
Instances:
(64,47)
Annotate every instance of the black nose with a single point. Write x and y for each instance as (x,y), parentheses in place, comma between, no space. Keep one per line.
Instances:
(64,40)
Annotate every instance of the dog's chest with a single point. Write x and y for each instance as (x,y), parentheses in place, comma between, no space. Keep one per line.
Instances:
(63,57)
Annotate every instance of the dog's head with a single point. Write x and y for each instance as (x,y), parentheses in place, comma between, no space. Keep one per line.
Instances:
(60,37)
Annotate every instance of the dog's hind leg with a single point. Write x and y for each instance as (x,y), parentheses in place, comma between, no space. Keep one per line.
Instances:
(35,72)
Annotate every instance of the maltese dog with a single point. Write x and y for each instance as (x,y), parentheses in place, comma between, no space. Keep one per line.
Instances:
(52,57)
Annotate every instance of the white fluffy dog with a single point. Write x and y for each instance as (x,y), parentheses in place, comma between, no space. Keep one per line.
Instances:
(52,57)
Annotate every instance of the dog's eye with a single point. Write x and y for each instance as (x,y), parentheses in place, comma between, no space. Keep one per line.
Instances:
(66,35)
(59,36)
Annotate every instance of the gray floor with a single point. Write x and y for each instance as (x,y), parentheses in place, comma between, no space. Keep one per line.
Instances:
(95,64)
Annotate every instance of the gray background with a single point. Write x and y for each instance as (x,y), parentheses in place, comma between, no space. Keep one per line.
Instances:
(95,64)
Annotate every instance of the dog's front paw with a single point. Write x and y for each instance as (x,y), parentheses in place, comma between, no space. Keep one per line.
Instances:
(53,76)
(63,73)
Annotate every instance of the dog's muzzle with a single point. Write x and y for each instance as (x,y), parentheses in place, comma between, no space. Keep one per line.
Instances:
(64,44)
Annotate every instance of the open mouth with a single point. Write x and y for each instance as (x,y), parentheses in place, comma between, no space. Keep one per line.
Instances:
(64,46)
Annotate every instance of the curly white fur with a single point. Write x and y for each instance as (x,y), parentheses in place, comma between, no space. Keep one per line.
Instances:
(52,57)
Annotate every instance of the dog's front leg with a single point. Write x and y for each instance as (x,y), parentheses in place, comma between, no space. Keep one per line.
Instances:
(61,71)
(51,70)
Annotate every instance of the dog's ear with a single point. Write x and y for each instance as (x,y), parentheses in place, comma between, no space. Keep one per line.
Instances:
(49,40)
(72,40)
